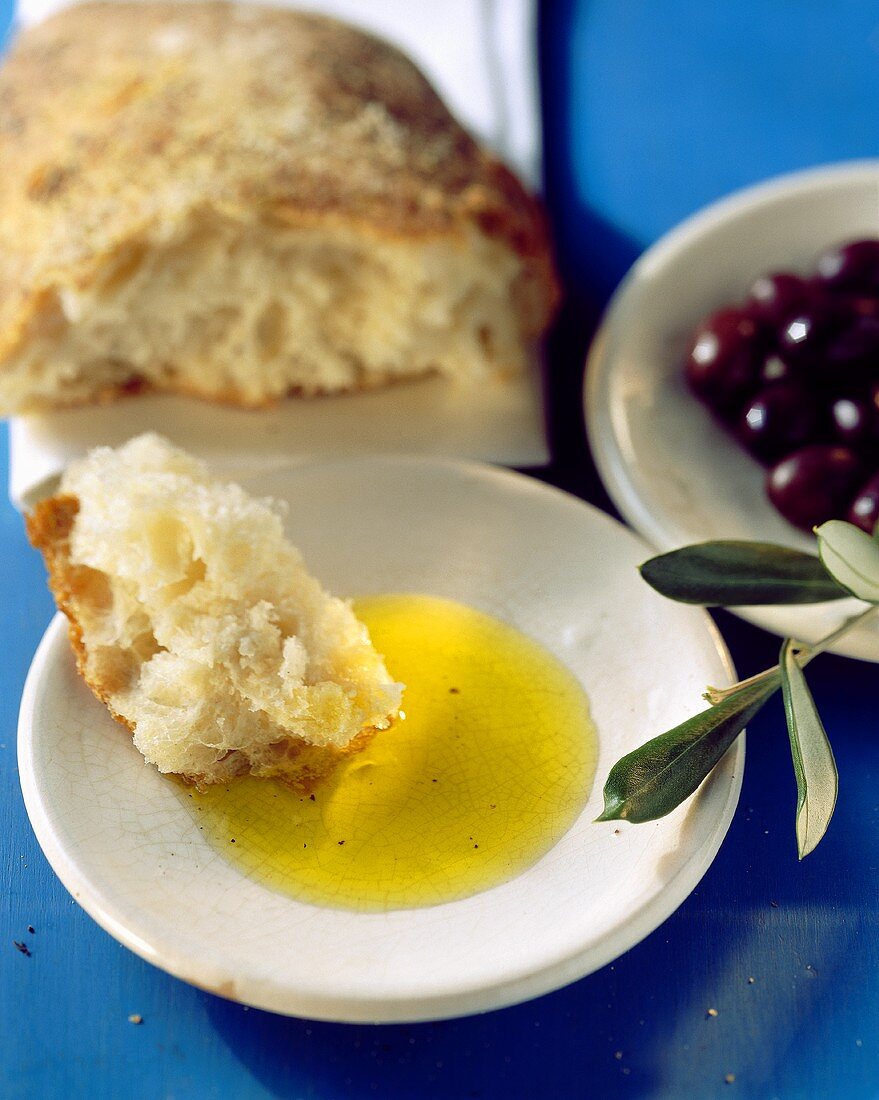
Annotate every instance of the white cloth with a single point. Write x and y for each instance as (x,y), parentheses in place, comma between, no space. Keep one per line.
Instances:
(480,55)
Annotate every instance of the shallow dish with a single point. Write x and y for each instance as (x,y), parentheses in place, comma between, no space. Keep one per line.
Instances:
(117,835)
(674,474)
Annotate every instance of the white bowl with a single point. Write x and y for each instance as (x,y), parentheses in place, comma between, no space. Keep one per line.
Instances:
(673,473)
(563,572)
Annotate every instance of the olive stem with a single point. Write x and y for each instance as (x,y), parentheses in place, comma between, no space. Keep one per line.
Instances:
(803,655)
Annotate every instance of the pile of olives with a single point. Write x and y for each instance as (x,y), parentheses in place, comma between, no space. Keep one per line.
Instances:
(793,373)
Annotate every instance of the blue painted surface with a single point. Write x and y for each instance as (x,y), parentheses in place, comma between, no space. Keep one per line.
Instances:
(653,109)
(7,8)
(663,107)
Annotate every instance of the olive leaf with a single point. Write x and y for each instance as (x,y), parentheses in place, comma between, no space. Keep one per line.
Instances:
(651,781)
(851,556)
(729,573)
(814,766)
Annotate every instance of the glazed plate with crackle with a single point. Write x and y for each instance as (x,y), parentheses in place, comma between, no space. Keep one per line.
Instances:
(454,865)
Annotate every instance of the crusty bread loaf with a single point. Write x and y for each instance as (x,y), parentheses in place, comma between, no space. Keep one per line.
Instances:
(195,621)
(242,202)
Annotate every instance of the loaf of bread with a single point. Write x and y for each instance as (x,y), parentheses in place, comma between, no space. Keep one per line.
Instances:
(242,202)
(194,619)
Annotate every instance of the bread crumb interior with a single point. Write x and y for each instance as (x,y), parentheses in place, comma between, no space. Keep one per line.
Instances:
(249,313)
(202,627)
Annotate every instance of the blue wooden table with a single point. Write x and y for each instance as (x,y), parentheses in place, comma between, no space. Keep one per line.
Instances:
(651,111)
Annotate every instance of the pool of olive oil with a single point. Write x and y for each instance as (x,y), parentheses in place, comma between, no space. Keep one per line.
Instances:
(490,765)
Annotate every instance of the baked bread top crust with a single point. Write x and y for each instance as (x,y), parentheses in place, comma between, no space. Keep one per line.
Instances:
(229,108)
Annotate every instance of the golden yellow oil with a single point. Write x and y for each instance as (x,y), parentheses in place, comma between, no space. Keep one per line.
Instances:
(489,768)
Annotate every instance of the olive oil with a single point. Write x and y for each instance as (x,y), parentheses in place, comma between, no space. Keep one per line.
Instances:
(487,769)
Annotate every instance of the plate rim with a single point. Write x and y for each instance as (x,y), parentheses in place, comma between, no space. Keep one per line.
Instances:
(602,437)
(541,978)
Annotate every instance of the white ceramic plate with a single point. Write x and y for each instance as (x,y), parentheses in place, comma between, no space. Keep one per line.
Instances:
(674,475)
(554,567)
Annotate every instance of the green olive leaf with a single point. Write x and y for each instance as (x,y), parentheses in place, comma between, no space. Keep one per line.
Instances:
(814,766)
(730,573)
(851,556)
(651,781)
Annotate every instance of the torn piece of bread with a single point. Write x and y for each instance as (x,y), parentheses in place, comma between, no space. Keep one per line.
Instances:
(195,621)
(242,202)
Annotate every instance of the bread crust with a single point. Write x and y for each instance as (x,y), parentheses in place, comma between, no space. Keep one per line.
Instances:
(49,526)
(235,110)
(77,589)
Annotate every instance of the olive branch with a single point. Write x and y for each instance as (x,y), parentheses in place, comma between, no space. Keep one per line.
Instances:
(651,781)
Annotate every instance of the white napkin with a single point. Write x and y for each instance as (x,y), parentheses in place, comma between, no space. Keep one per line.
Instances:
(481,56)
